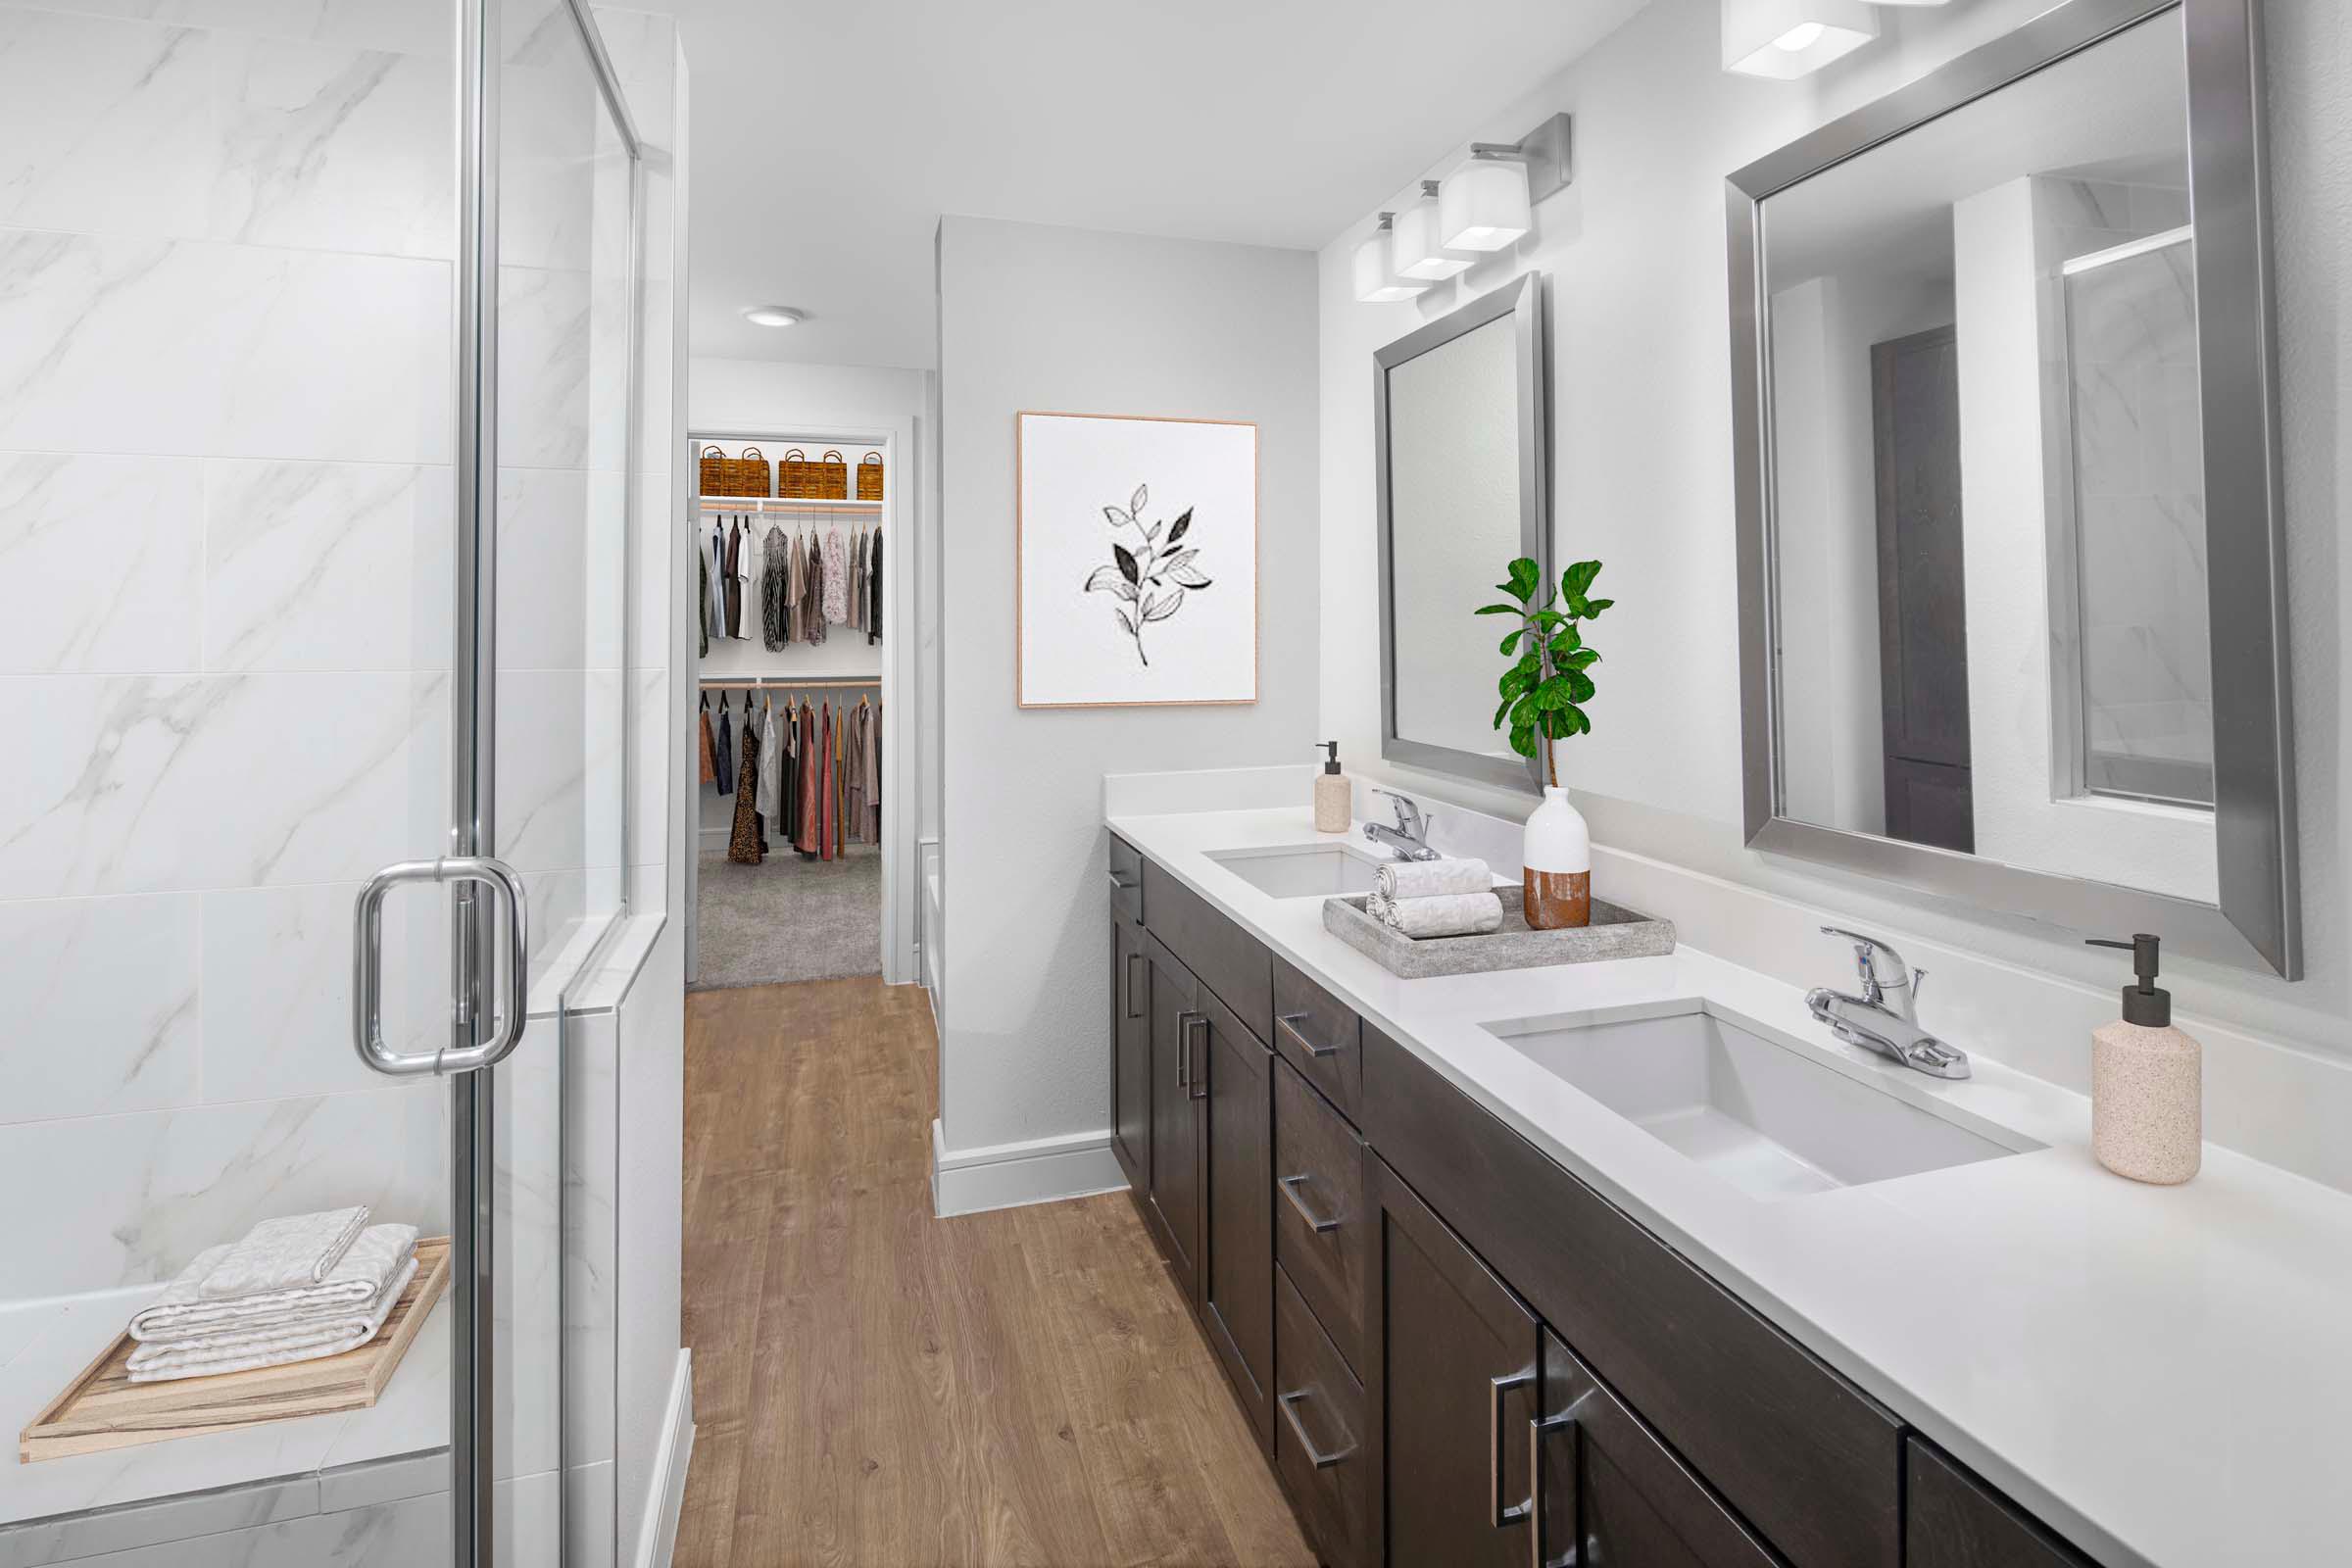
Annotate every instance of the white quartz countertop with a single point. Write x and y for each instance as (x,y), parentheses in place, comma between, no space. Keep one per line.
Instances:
(2164,1375)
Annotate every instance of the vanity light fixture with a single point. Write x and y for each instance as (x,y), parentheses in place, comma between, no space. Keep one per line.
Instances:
(1376,279)
(773,316)
(1784,40)
(1413,245)
(1489,202)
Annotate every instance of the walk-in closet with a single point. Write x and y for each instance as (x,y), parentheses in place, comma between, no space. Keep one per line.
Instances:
(791,611)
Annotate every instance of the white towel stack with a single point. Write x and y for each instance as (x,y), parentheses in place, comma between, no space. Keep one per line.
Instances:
(1447,897)
(294,1290)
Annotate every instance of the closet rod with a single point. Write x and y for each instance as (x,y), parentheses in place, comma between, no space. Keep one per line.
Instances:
(773,683)
(764,503)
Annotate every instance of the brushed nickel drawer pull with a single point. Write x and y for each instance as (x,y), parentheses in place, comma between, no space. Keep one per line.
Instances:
(1314,1222)
(1537,1431)
(1496,1388)
(1133,958)
(1315,1456)
(1288,1023)
(1184,1049)
(1200,1074)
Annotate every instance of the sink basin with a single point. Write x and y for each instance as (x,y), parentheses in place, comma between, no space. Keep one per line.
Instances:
(1307,871)
(1755,1113)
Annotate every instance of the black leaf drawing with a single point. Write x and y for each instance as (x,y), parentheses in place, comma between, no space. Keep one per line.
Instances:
(1152,579)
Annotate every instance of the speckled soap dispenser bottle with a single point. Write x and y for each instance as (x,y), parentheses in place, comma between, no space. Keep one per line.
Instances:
(2147,1081)
(1334,793)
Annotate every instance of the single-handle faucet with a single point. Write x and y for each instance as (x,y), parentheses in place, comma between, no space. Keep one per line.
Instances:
(1874,1022)
(1409,838)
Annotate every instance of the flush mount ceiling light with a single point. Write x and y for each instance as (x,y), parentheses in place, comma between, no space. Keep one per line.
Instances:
(1784,40)
(773,316)
(1376,279)
(1489,202)
(1413,245)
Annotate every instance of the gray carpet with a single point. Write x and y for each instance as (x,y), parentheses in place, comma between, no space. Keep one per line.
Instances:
(789,920)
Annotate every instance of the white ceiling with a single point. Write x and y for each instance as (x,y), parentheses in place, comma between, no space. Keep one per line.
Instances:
(827,142)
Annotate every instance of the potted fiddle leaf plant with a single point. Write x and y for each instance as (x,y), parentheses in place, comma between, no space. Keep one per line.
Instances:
(1543,692)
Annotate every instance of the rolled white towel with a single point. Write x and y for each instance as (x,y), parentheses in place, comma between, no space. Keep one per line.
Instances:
(284,1254)
(1429,879)
(1447,914)
(181,1312)
(242,1351)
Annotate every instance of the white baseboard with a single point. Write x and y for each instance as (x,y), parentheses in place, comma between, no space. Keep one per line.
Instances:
(667,1496)
(1041,1170)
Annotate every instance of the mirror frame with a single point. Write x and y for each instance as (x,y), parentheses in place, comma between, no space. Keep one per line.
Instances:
(1522,300)
(2256,921)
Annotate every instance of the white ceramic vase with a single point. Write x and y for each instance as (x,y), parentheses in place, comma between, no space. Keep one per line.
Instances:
(1555,859)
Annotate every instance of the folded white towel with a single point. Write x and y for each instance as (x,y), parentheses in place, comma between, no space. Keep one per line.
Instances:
(182,1313)
(1429,879)
(1447,914)
(242,1351)
(284,1254)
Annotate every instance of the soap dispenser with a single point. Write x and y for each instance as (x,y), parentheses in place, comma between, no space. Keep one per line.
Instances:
(1334,796)
(2147,1081)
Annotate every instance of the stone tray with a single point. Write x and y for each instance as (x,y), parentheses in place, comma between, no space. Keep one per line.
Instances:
(1616,932)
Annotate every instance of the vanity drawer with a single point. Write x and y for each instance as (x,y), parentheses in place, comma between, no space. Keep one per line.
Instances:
(1319,1209)
(1126,880)
(1810,1460)
(1319,1035)
(1228,960)
(1953,1520)
(1318,1430)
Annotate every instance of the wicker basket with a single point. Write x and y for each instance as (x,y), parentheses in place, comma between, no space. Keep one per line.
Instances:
(752,477)
(714,477)
(869,476)
(833,477)
(796,477)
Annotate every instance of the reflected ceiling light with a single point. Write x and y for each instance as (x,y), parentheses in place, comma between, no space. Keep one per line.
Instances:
(1783,39)
(773,316)
(1376,279)
(1489,202)
(1413,247)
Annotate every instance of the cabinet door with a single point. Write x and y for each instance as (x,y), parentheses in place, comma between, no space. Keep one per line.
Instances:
(1175,1189)
(1452,1357)
(1130,1052)
(1608,1490)
(1234,1077)
(1953,1520)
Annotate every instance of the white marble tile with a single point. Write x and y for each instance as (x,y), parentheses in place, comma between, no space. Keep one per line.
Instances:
(528,1248)
(183,347)
(545,367)
(639,43)
(402,24)
(96,557)
(560,767)
(105,125)
(185,1517)
(124,784)
(559,595)
(413,1533)
(276,969)
(591,1177)
(653,552)
(649,771)
(372,1481)
(153,1188)
(332,147)
(326,565)
(101,1001)
(588,1513)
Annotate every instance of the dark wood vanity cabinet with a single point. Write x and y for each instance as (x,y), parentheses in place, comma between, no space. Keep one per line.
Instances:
(1450,1349)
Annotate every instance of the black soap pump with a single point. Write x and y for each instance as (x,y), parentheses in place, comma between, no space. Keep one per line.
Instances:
(1334,794)
(2148,1080)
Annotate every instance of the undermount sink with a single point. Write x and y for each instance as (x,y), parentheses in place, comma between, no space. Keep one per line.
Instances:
(1306,871)
(1755,1113)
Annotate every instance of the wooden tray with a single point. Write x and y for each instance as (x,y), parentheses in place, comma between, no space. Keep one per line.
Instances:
(1616,932)
(104,1410)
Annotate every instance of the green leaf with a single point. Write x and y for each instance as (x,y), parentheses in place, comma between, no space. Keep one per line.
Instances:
(1498,610)
(1578,722)
(1524,711)
(1508,637)
(1550,619)
(1579,577)
(1580,685)
(1593,606)
(1556,723)
(1555,693)
(1569,640)
(1514,681)
(1524,574)
(1575,658)
(1499,712)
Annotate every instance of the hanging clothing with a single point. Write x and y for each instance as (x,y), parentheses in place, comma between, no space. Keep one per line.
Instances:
(730,584)
(714,577)
(873,769)
(776,577)
(787,819)
(813,594)
(874,588)
(726,751)
(747,845)
(805,822)
(858,582)
(771,768)
(789,592)
(710,747)
(703,601)
(837,577)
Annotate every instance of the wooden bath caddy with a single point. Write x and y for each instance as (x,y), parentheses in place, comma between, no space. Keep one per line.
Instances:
(103,1408)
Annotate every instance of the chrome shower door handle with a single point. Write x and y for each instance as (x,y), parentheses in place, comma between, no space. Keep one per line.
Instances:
(367,966)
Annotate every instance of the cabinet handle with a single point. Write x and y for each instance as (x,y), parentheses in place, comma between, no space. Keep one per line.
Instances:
(1200,1078)
(1537,1431)
(1184,1049)
(1288,1023)
(1315,1456)
(1121,884)
(1133,958)
(1496,1388)
(1314,1222)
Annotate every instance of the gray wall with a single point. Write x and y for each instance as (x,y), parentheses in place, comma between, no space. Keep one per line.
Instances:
(1071,320)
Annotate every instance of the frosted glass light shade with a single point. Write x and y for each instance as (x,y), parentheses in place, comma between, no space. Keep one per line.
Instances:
(1376,280)
(1482,206)
(1784,40)
(1414,249)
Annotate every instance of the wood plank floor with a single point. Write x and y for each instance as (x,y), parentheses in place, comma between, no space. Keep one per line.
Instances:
(876,1387)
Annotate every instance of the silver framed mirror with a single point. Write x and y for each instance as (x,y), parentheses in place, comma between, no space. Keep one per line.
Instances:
(2011,555)
(1460,432)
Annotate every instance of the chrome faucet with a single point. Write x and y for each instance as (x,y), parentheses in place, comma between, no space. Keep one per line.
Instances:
(1409,838)
(1874,1022)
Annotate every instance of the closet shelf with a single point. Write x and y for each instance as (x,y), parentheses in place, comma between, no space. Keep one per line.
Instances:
(782,504)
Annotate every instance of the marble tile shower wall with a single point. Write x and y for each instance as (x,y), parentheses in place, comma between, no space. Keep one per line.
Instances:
(225,438)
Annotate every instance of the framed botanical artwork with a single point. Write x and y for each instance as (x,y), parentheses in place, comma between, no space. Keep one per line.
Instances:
(1138,560)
